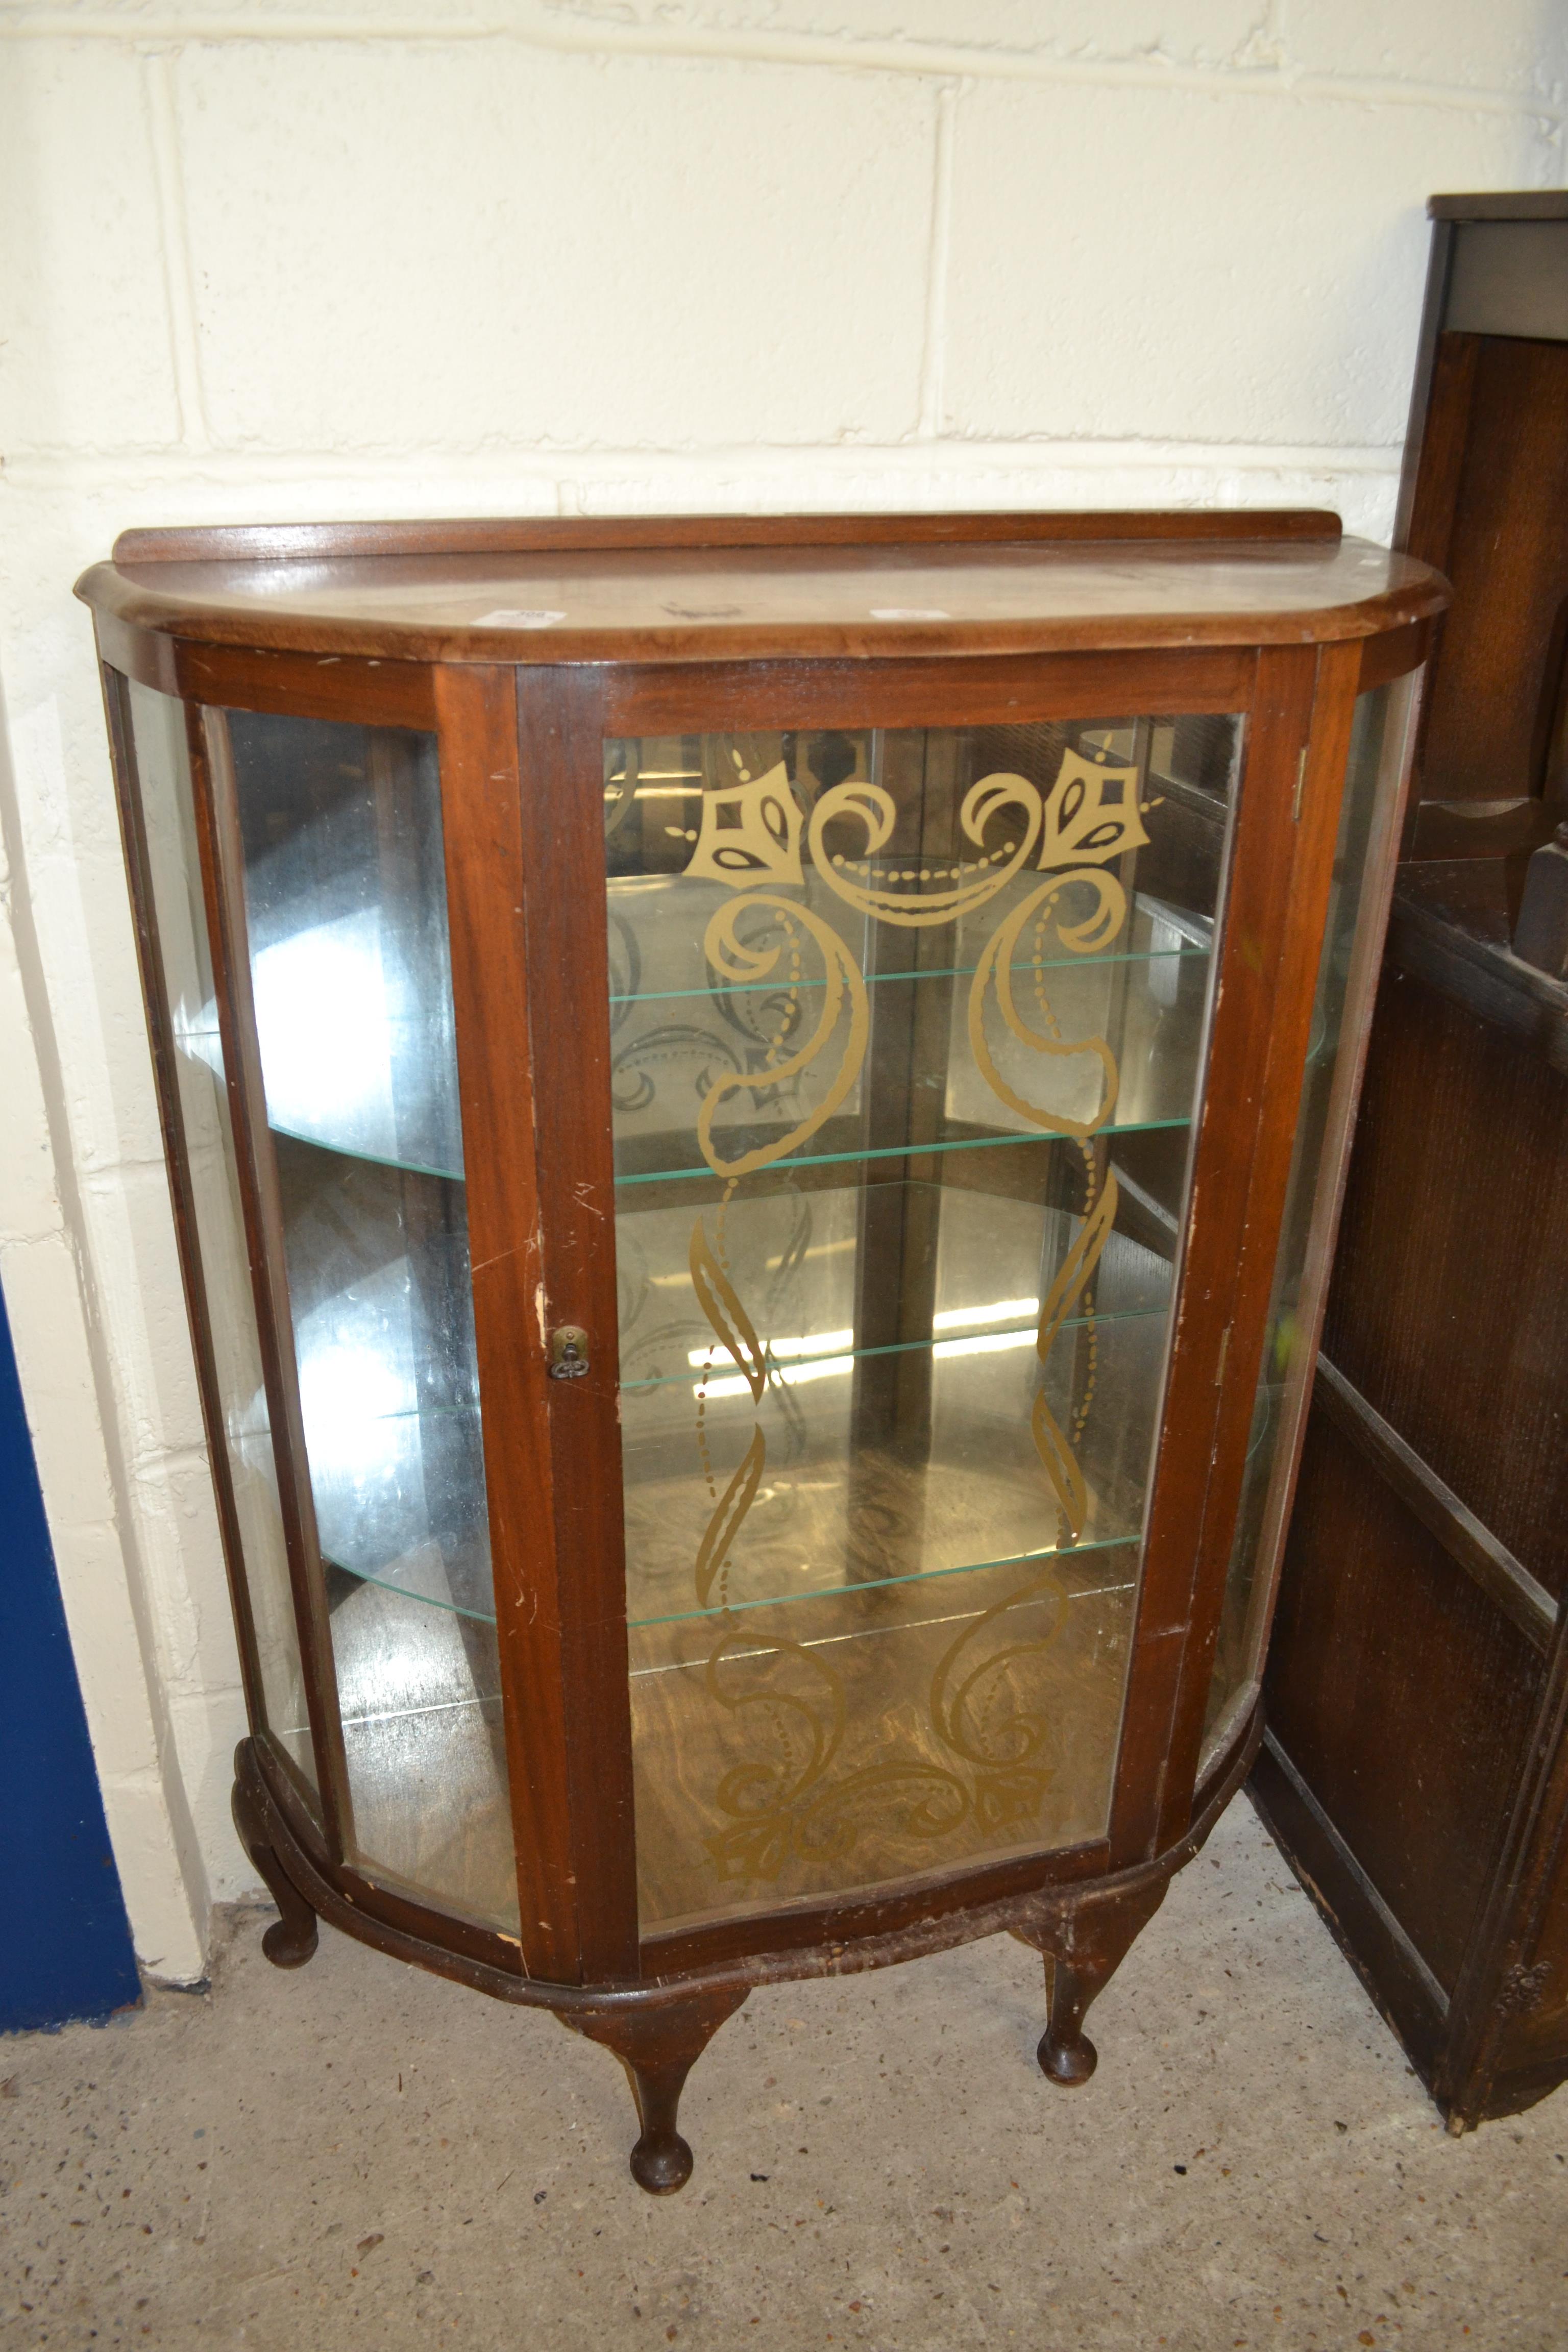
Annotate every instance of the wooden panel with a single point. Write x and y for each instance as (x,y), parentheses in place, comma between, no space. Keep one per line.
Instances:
(526,534)
(560,734)
(1511,2043)
(1535,1990)
(482,828)
(1495,684)
(139,654)
(1509,204)
(1376,1946)
(1400,1694)
(1443,830)
(1448,1310)
(305,686)
(688,697)
(1449,928)
(1393,655)
(805,1926)
(1469,1545)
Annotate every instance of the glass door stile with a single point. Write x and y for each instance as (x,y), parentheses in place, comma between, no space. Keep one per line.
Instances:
(342,979)
(906,1032)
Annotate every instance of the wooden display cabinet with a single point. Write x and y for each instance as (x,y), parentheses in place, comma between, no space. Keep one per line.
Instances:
(1415,1768)
(754,1112)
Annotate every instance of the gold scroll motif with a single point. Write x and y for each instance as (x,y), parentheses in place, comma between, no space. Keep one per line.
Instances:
(750,833)
(1092,814)
(873,807)
(1051,1441)
(791,1806)
(748,966)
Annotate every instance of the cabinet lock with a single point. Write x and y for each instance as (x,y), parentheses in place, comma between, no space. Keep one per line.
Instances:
(568,1352)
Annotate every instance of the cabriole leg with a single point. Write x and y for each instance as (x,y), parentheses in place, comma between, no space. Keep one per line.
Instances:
(1083,1948)
(291,1938)
(658,2047)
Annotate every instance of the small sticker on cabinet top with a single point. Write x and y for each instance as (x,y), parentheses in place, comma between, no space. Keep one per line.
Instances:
(908,613)
(505,617)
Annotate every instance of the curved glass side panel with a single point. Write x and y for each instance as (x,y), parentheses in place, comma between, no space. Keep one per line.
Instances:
(345,900)
(1377,746)
(168,818)
(350,979)
(907,1038)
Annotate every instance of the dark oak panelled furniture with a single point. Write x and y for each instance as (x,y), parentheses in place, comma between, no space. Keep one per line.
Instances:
(1415,1767)
(754,1112)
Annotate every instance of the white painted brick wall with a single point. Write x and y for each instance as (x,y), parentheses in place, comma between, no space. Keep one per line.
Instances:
(264,258)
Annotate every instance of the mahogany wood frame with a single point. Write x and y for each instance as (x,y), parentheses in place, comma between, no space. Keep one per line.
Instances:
(521,752)
(1488,302)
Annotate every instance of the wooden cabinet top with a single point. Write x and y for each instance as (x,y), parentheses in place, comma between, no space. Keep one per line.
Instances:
(703,588)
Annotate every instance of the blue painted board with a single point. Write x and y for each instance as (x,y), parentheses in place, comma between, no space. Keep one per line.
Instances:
(64,1941)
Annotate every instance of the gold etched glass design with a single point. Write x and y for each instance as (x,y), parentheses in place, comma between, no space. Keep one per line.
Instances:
(906,1042)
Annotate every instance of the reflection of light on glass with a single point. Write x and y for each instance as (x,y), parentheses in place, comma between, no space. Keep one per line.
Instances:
(351,1400)
(784,1376)
(826,1367)
(323,1013)
(405,1666)
(1001,1310)
(363,1438)
(197,1035)
(1165,978)
(818,1249)
(810,1343)
(985,1343)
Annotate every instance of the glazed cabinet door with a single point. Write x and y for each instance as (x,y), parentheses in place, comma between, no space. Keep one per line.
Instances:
(899,1046)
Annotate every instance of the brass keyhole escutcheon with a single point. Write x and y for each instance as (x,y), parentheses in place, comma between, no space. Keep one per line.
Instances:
(568,1352)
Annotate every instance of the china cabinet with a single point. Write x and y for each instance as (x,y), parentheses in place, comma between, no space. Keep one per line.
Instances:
(754,1112)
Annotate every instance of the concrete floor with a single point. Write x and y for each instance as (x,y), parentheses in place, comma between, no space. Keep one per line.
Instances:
(359,2155)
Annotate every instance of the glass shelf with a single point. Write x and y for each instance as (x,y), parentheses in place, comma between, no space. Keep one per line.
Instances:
(376,1158)
(1020,965)
(1088,1042)
(792,1362)
(911,1150)
(391,1579)
(864,1585)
